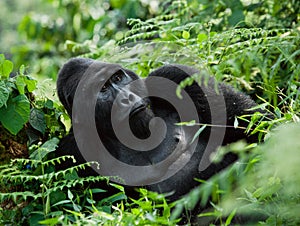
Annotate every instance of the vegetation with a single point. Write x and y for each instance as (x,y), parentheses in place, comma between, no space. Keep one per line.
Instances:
(253,45)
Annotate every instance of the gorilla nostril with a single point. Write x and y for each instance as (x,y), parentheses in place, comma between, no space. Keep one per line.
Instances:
(125,101)
(131,98)
(128,99)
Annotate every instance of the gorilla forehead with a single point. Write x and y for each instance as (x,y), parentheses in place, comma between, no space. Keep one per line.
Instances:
(73,71)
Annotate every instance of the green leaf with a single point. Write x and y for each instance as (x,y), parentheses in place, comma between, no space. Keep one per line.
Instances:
(6,68)
(61,202)
(198,133)
(70,195)
(119,187)
(236,17)
(277,112)
(37,120)
(186,35)
(47,209)
(22,70)
(51,221)
(201,37)
(20,83)
(47,147)
(16,114)
(49,104)
(35,218)
(230,217)
(97,190)
(178,92)
(114,198)
(31,84)
(4,93)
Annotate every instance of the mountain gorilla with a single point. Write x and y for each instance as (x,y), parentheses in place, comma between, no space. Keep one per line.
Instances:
(134,105)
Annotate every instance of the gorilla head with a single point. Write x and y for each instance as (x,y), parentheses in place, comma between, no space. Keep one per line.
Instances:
(129,102)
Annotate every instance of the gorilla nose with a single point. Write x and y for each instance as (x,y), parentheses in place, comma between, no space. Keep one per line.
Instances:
(131,99)
(128,98)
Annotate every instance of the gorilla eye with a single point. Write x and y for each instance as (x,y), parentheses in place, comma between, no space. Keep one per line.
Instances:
(104,87)
(118,76)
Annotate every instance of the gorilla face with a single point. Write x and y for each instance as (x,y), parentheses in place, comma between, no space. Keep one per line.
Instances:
(125,90)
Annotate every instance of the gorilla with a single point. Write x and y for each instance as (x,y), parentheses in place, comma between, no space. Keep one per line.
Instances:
(216,105)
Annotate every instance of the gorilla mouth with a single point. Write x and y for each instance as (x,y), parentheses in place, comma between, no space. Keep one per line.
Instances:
(137,110)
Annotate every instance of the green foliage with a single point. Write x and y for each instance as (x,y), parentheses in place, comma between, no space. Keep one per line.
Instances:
(269,184)
(263,183)
(14,108)
(18,106)
(51,192)
(258,60)
(55,198)
(43,27)
(192,17)
(37,120)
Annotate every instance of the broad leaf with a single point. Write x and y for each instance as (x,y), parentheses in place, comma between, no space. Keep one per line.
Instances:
(31,84)
(20,83)
(6,68)
(4,93)
(37,120)
(47,147)
(16,114)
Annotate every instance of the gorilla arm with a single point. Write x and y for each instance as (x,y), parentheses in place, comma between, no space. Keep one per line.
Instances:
(236,103)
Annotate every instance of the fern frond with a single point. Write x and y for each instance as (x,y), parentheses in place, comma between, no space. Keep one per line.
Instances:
(62,184)
(15,195)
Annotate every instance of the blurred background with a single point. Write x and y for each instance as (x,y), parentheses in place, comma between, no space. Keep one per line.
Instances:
(44,33)
(35,32)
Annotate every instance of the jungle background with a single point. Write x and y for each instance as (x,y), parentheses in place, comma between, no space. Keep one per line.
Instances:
(252,45)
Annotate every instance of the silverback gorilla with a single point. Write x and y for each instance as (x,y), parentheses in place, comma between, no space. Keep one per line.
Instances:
(138,105)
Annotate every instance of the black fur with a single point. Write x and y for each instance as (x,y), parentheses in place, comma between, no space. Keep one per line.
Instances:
(236,105)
